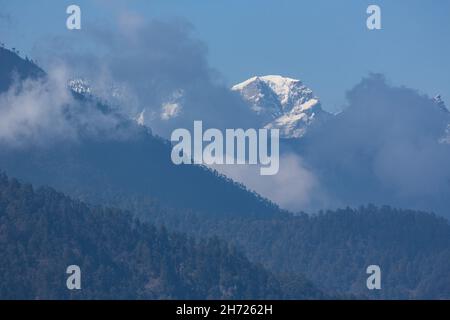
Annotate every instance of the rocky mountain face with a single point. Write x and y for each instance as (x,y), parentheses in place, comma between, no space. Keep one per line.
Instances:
(282,103)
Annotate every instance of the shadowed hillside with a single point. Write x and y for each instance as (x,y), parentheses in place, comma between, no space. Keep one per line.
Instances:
(42,232)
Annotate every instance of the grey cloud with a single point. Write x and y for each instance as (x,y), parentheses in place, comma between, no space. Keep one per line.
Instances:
(44,111)
(384,148)
(150,61)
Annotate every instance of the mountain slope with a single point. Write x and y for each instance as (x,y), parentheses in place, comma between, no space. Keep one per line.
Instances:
(42,232)
(123,161)
(282,103)
(13,67)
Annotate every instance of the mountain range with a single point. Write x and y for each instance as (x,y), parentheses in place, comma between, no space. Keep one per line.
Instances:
(110,160)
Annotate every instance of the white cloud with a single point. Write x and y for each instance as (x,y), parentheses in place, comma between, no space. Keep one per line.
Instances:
(34,109)
(42,111)
(294,187)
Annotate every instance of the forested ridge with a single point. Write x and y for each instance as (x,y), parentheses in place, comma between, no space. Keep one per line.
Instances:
(334,248)
(43,231)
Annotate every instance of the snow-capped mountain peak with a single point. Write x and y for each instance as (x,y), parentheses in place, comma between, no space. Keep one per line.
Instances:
(286,88)
(80,86)
(283,103)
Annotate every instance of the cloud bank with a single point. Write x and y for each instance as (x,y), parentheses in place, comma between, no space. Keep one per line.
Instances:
(384,148)
(153,66)
(42,111)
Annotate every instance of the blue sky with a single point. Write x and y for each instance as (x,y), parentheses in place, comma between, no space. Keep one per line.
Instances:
(323,42)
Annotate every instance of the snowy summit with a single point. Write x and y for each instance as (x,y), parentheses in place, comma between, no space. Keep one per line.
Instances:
(282,103)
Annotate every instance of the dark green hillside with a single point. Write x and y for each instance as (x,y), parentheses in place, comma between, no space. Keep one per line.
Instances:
(333,249)
(42,232)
